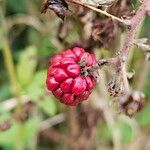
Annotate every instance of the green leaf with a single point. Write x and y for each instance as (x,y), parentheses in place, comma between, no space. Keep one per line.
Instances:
(18,6)
(104,132)
(27,65)
(4,116)
(8,137)
(48,105)
(143,117)
(126,132)
(5,92)
(1,45)
(31,128)
(104,53)
(47,48)
(28,131)
(37,87)
(147,87)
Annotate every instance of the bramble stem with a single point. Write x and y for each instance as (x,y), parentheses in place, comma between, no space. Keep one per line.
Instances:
(133,30)
(120,61)
(135,22)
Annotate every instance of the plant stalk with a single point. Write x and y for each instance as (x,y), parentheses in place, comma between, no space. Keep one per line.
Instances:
(10,67)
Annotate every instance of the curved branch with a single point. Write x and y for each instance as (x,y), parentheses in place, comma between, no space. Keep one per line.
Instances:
(27,20)
(126,22)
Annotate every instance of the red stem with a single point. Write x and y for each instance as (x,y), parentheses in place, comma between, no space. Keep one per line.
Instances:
(135,22)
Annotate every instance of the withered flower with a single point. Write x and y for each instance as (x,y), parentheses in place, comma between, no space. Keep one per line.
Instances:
(116,86)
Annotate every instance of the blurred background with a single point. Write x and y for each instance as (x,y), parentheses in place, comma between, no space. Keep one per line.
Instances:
(30,117)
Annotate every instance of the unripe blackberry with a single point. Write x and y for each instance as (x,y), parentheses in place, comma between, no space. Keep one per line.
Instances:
(68,78)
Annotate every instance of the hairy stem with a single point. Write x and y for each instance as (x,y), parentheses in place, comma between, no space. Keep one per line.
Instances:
(120,61)
(135,22)
(133,30)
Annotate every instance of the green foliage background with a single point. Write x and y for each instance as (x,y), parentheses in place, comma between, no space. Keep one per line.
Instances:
(31,43)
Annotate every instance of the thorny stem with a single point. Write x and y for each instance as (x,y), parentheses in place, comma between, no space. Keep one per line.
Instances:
(135,22)
(120,60)
(99,11)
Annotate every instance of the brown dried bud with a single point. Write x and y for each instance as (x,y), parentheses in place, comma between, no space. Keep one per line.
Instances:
(23,115)
(132,108)
(5,125)
(60,7)
(133,103)
(116,86)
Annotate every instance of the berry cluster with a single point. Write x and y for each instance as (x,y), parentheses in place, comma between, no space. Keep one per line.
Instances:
(66,78)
